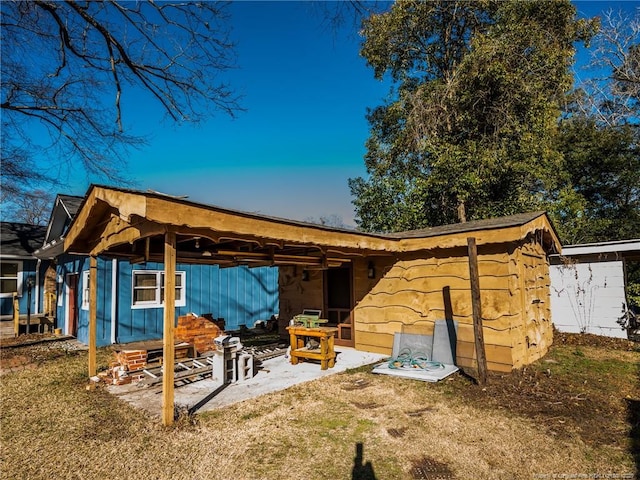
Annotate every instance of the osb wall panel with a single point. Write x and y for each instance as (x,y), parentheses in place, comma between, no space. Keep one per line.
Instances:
(297,294)
(415,292)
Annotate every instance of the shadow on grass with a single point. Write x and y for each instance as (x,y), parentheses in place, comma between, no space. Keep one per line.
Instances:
(361,471)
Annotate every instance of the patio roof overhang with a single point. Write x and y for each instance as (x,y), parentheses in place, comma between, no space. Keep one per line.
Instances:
(132,224)
(129,224)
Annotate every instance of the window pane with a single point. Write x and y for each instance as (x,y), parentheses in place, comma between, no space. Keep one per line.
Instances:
(144,295)
(8,286)
(145,280)
(8,269)
(178,280)
(178,295)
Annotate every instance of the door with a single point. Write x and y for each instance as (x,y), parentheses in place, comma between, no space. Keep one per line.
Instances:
(72,304)
(339,303)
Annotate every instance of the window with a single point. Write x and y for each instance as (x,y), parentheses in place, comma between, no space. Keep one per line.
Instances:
(85,290)
(10,278)
(148,289)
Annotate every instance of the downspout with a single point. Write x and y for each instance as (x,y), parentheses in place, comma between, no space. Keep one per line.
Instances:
(114,298)
(36,310)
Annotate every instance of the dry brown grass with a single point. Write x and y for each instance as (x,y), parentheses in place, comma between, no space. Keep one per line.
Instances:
(52,427)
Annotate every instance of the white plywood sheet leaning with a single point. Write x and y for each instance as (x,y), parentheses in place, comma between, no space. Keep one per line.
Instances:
(428,358)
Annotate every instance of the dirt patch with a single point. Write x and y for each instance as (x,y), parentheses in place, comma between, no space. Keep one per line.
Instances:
(429,469)
(29,351)
(582,388)
(590,340)
(23,340)
(396,432)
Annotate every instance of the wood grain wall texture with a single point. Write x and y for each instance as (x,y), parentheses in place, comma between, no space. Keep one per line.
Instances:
(419,289)
(413,290)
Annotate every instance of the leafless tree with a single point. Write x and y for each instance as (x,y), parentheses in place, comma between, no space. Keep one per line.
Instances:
(33,208)
(347,13)
(70,69)
(330,220)
(612,92)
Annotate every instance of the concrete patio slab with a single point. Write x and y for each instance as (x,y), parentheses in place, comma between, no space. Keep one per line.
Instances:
(274,374)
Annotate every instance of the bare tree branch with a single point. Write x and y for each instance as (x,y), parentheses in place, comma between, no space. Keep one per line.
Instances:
(612,92)
(69,67)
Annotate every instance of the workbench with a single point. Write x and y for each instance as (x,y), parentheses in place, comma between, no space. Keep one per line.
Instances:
(326,354)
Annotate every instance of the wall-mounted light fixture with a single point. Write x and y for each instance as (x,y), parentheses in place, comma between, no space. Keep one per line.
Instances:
(371,270)
(305,275)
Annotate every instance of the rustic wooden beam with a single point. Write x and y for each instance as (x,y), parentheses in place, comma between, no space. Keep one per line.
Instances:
(117,232)
(169,326)
(477,310)
(16,314)
(93,313)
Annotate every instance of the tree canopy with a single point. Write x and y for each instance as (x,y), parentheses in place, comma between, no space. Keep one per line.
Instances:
(470,131)
(597,193)
(69,66)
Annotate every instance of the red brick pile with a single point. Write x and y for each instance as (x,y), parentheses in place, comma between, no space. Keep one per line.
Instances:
(125,362)
(198,331)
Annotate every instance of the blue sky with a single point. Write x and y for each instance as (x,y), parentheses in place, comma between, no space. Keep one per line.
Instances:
(306,91)
(290,154)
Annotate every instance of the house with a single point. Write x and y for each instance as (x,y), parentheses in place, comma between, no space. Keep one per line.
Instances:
(369,286)
(20,270)
(130,299)
(588,287)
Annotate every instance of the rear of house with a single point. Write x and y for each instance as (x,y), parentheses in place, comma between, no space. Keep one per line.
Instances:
(131,297)
(369,286)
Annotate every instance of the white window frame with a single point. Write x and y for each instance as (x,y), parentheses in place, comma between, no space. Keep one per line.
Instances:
(18,278)
(180,299)
(85,290)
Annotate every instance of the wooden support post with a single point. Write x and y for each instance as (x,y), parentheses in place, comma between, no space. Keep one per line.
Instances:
(169,326)
(477,310)
(16,314)
(93,313)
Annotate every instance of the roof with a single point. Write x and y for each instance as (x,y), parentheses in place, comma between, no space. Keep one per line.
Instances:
(113,220)
(471,226)
(63,212)
(604,251)
(20,239)
(71,203)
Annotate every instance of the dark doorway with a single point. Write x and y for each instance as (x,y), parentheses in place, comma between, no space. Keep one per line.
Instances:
(72,303)
(339,303)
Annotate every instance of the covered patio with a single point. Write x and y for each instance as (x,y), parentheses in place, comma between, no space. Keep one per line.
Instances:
(149,226)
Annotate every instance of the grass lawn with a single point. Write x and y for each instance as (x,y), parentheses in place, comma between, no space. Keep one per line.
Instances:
(576,412)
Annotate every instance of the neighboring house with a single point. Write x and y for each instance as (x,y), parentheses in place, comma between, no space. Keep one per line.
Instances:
(131,295)
(19,268)
(588,287)
(369,286)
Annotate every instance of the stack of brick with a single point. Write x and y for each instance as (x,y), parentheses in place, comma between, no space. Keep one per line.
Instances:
(198,331)
(132,359)
(121,370)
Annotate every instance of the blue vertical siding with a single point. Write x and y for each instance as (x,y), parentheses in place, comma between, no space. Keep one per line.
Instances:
(68,264)
(240,295)
(28,269)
